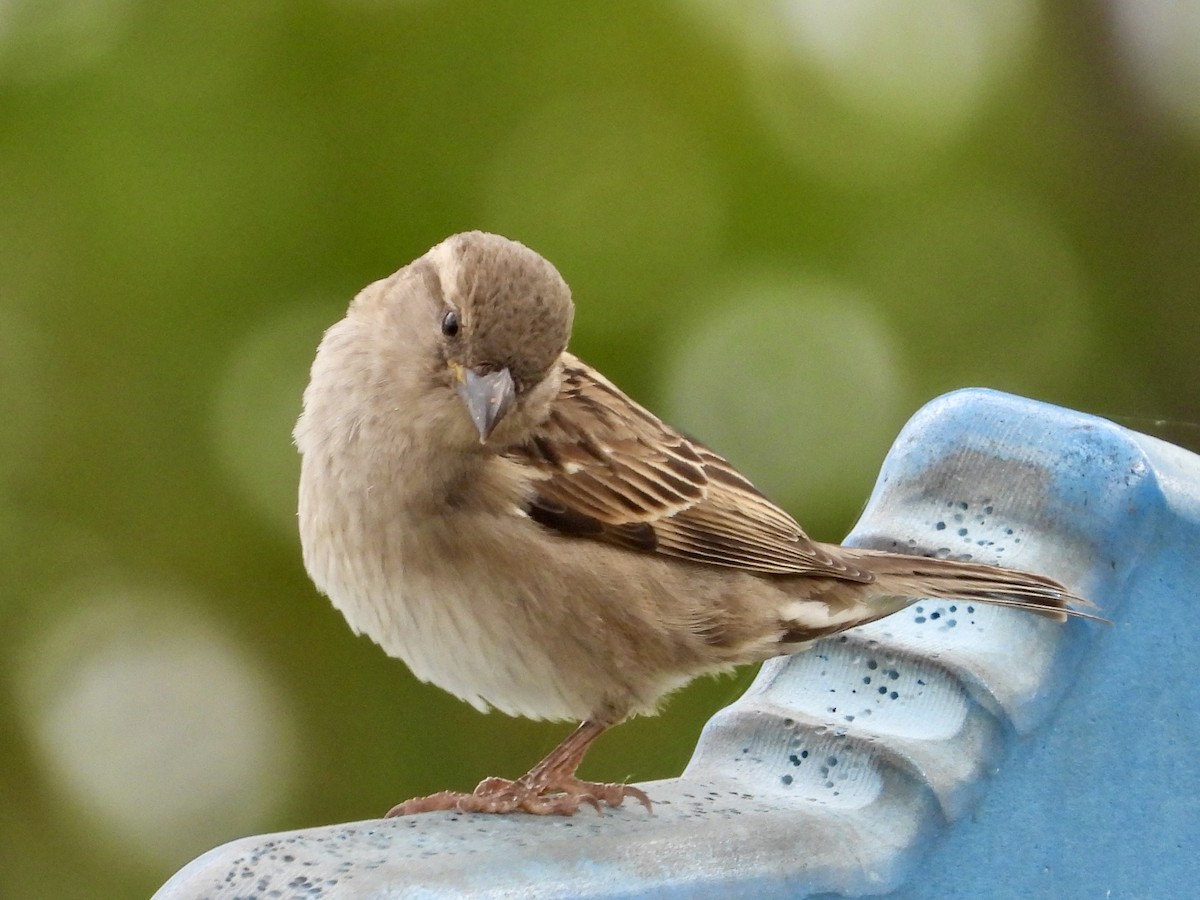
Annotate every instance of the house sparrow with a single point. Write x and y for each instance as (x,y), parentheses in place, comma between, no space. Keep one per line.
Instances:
(494,512)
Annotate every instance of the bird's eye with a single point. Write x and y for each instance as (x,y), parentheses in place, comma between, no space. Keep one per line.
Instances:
(450,324)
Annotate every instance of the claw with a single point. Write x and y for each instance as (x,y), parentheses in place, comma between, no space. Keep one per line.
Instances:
(549,789)
(499,795)
(442,800)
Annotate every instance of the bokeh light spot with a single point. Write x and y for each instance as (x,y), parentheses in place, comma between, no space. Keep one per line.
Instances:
(922,65)
(257,402)
(617,192)
(798,384)
(984,290)
(864,92)
(1161,39)
(42,40)
(152,722)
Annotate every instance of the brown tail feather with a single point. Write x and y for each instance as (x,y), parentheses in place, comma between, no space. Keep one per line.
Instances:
(947,579)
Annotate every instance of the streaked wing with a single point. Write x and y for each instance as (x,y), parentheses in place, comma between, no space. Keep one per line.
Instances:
(607,469)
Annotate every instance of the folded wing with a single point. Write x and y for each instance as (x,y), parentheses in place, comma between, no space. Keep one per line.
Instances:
(607,469)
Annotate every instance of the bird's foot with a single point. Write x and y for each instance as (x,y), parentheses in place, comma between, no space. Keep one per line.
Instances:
(562,797)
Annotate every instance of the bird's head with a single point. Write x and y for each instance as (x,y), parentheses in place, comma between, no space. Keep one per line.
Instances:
(502,319)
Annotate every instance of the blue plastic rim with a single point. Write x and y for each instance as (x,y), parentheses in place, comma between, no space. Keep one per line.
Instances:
(940,752)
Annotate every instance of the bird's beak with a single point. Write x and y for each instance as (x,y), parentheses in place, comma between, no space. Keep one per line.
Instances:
(488,397)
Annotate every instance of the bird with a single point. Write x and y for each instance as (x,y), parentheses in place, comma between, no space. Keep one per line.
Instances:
(500,516)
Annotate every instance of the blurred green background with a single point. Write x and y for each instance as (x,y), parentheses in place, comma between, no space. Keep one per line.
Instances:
(786,224)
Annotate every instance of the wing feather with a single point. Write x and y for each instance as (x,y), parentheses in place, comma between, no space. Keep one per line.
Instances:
(607,469)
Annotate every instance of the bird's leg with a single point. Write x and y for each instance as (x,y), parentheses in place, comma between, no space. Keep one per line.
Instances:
(549,788)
